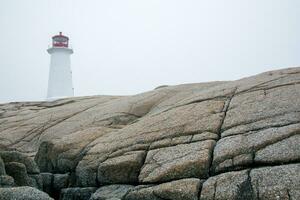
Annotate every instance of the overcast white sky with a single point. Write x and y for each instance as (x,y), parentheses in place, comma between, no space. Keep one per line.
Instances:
(131,46)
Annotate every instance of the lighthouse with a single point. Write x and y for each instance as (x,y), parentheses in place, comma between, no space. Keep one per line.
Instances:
(60,75)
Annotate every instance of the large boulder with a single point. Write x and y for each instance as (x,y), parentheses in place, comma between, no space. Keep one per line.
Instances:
(14,156)
(122,169)
(19,173)
(231,185)
(60,181)
(181,161)
(22,193)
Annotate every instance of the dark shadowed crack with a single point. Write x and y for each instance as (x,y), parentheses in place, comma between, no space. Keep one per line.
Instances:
(200,188)
(215,189)
(224,110)
(288,193)
(257,189)
(144,159)
(245,190)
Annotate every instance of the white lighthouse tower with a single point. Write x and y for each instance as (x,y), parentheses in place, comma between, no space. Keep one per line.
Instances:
(60,76)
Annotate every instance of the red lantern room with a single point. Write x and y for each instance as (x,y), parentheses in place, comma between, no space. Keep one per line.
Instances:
(60,40)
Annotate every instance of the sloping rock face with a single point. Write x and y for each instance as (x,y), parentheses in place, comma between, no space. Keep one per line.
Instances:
(218,140)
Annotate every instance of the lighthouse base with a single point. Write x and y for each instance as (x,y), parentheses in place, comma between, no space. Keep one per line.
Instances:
(57,98)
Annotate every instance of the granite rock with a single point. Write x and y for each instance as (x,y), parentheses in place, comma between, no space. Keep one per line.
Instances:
(77,193)
(22,193)
(234,136)
(111,192)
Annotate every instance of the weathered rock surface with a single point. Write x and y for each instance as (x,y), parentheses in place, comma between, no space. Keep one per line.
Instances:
(180,161)
(240,139)
(6,181)
(14,156)
(122,169)
(22,193)
(230,185)
(18,172)
(77,193)
(278,182)
(181,189)
(60,181)
(111,192)
(273,182)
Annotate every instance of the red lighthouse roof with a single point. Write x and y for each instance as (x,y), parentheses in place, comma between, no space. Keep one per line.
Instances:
(60,40)
(60,36)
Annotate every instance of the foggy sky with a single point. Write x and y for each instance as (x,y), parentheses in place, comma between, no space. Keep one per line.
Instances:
(130,46)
